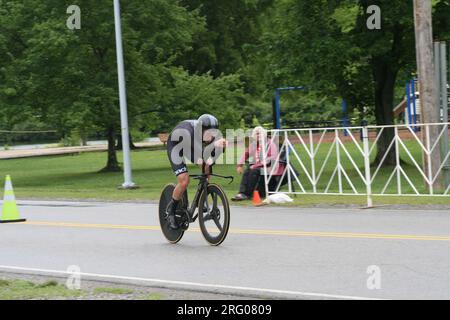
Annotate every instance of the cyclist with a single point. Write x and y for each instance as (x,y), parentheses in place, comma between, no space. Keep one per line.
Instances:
(198,141)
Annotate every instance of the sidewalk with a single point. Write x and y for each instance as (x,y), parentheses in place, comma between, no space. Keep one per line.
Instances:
(17,154)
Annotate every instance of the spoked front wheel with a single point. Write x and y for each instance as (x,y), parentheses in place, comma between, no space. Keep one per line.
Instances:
(173,236)
(214,214)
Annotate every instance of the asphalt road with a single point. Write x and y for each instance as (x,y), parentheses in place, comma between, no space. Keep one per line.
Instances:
(269,252)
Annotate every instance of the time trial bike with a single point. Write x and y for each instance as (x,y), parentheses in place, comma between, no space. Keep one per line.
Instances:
(211,204)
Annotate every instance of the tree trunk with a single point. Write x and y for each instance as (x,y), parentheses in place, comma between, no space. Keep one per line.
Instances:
(113,164)
(385,77)
(120,143)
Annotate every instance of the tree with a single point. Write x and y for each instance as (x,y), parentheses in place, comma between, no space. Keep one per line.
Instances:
(441,21)
(69,77)
(328,44)
(231,26)
(391,50)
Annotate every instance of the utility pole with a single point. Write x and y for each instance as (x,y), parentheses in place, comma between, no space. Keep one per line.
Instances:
(128,184)
(440,61)
(429,103)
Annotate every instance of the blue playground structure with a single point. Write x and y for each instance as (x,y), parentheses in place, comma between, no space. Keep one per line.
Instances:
(411,103)
(277,108)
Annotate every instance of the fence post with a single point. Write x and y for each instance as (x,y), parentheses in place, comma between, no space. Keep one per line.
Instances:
(428,159)
(414,102)
(398,162)
(338,159)
(265,153)
(408,103)
(288,160)
(313,161)
(367,166)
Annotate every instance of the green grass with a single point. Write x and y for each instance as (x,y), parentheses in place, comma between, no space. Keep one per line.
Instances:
(153,296)
(26,290)
(50,290)
(116,291)
(77,177)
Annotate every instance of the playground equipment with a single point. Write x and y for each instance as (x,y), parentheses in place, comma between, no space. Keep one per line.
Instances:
(277,124)
(277,109)
(412,104)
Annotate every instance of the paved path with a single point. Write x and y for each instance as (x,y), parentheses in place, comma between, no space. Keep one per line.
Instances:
(276,252)
(41,152)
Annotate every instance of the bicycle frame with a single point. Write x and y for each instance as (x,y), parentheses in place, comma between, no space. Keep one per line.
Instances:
(202,185)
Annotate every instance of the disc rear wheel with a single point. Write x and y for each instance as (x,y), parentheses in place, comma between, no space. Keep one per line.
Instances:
(173,236)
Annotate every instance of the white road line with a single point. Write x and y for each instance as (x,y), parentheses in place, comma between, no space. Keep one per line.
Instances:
(191,285)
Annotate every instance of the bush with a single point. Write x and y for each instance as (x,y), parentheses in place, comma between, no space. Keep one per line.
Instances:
(138,136)
(73,140)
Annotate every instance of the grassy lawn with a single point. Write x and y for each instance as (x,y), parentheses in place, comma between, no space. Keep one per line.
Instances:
(380,176)
(26,290)
(13,289)
(112,291)
(77,177)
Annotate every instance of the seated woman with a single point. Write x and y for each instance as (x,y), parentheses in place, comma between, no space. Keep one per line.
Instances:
(253,174)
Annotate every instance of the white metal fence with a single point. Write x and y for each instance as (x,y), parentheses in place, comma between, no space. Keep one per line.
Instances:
(352,161)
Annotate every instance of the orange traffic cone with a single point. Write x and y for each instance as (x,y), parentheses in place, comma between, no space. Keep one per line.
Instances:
(256,198)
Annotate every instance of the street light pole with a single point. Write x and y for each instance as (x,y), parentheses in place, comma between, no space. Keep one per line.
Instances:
(128,184)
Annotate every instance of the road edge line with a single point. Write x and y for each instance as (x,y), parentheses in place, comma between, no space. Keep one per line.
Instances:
(189,286)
